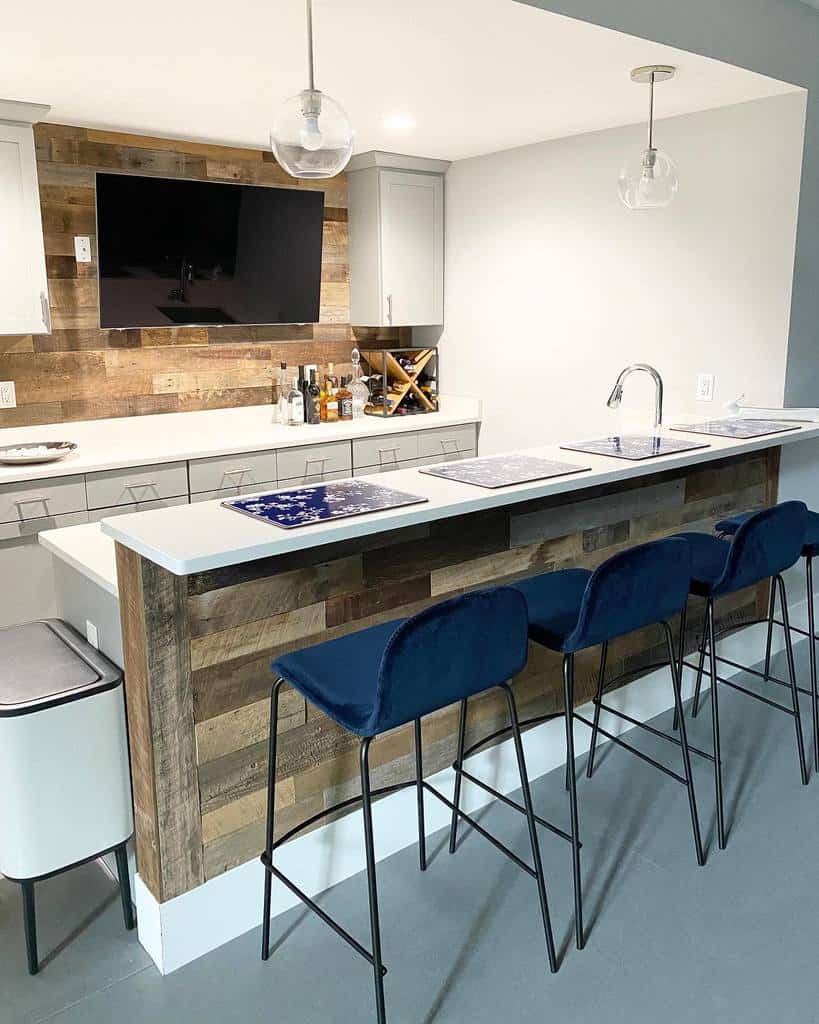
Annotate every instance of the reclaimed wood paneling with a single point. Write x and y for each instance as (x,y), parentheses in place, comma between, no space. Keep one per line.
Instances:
(207,670)
(77,371)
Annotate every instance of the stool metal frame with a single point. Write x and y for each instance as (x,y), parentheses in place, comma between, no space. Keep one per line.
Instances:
(374,957)
(569,714)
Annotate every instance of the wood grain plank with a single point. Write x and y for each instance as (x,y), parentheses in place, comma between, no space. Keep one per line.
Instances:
(258,635)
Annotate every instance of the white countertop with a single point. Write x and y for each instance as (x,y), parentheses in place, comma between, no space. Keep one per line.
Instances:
(195,538)
(87,549)
(148,440)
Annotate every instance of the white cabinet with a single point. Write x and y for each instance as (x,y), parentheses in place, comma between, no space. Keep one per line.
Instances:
(396,219)
(23,282)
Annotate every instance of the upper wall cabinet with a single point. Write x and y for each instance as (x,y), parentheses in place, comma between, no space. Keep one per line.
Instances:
(396,212)
(23,283)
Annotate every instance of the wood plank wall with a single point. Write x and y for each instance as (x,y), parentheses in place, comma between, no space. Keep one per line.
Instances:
(236,620)
(81,372)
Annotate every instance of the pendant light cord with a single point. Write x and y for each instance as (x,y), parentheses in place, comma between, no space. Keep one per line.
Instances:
(311,78)
(650,110)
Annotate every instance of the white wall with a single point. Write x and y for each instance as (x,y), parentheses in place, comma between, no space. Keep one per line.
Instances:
(552,286)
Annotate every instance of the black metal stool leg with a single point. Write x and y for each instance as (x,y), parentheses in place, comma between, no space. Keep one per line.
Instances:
(814,688)
(369,845)
(30,926)
(459,763)
(601,678)
(124,875)
(568,698)
(712,651)
(683,619)
(530,820)
(689,775)
(700,666)
(769,639)
(797,717)
(419,789)
(271,813)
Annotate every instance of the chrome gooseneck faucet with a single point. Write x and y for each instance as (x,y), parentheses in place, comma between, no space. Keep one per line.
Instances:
(617,391)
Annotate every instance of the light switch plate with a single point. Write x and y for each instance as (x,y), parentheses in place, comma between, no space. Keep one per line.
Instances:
(8,395)
(705,387)
(82,248)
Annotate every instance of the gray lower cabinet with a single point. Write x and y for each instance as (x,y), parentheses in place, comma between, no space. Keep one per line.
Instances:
(137,485)
(96,515)
(236,472)
(315,460)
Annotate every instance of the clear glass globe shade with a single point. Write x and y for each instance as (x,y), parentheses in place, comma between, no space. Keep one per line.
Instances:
(648,180)
(312,136)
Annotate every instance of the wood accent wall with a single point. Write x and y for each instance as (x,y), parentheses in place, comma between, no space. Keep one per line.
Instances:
(202,660)
(81,372)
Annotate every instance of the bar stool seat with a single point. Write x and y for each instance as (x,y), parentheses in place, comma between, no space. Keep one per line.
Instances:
(554,601)
(347,694)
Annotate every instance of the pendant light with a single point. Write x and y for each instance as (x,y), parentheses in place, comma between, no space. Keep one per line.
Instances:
(649,181)
(311,136)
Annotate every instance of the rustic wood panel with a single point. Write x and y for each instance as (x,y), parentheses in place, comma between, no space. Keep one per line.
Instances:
(76,371)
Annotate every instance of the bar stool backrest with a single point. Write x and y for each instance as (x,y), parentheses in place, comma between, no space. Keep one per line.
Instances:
(764,545)
(451,651)
(636,588)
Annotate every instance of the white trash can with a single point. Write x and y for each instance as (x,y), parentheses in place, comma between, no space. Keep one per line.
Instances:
(65,787)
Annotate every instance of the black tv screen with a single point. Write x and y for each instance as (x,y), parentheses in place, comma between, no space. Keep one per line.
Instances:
(176,252)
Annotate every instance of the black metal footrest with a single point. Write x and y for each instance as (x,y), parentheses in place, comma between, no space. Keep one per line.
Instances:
(322,914)
(647,728)
(634,750)
(750,693)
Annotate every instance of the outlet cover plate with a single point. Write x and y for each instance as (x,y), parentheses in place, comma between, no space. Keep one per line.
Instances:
(82,248)
(705,387)
(8,395)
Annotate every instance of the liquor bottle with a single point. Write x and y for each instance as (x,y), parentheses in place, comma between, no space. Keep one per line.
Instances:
(331,377)
(358,388)
(313,398)
(332,398)
(282,416)
(345,401)
(323,396)
(303,385)
(295,405)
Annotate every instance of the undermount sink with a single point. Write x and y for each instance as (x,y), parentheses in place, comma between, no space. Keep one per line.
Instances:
(634,447)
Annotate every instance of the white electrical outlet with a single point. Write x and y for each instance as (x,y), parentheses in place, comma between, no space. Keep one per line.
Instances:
(8,396)
(91,634)
(705,387)
(82,248)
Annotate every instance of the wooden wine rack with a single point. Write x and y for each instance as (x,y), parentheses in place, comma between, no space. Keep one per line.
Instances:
(398,382)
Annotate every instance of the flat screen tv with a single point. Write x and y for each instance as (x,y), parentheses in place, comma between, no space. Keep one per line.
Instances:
(174,252)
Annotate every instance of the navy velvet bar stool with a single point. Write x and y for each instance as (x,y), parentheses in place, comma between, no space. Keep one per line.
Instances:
(390,675)
(810,549)
(575,609)
(763,547)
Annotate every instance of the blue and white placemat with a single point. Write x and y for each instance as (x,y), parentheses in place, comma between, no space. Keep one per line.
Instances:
(634,447)
(319,503)
(743,428)
(502,470)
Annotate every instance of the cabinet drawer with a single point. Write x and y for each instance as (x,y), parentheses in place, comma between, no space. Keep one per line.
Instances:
(139,485)
(31,527)
(315,478)
(37,499)
(98,514)
(390,467)
(385,452)
(220,493)
(232,471)
(296,463)
(448,441)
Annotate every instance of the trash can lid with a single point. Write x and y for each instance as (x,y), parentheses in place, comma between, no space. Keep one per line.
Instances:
(46,663)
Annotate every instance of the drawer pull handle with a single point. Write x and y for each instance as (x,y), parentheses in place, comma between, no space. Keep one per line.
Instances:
(238,472)
(137,484)
(393,453)
(35,499)
(318,458)
(450,440)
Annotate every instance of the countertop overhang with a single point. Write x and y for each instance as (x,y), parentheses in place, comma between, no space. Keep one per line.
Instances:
(196,538)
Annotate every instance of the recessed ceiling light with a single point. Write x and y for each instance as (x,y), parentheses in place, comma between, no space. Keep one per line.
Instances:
(399,124)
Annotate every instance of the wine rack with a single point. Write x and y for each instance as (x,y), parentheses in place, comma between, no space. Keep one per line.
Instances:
(402,381)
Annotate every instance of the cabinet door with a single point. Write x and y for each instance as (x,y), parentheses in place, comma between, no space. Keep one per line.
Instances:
(412,248)
(23,283)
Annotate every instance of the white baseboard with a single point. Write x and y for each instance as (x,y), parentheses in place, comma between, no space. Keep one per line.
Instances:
(181,930)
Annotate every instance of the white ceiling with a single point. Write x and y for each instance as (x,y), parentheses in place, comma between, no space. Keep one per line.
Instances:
(438,78)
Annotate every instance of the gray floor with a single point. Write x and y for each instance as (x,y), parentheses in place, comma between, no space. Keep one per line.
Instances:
(668,941)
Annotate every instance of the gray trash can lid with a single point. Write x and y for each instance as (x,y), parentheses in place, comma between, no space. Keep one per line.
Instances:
(46,663)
